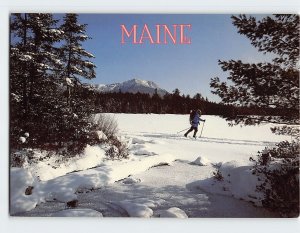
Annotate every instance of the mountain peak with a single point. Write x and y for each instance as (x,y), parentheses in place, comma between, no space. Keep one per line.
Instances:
(134,85)
(141,82)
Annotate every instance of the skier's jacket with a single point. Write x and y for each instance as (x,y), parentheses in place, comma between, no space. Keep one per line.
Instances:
(196,119)
(192,115)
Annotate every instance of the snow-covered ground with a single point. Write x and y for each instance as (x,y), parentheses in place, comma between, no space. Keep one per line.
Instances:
(166,175)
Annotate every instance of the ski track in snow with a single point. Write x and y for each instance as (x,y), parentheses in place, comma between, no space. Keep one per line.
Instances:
(200,139)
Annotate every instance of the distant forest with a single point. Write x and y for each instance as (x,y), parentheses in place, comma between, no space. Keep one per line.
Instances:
(173,103)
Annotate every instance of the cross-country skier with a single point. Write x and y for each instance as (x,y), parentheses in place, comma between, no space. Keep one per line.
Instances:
(194,121)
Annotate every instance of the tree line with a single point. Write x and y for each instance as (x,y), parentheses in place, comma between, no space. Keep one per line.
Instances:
(170,103)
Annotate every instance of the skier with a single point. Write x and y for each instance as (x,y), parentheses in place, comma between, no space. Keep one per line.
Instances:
(194,121)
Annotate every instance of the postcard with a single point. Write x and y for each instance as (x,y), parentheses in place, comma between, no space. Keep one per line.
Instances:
(154,115)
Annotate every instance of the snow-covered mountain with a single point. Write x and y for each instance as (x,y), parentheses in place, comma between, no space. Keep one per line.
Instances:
(131,86)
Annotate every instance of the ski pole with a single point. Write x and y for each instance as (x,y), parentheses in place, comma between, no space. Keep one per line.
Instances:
(202,129)
(183,130)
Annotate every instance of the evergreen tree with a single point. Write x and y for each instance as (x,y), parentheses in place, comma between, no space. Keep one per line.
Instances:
(74,110)
(33,63)
(156,103)
(176,92)
(43,69)
(76,59)
(32,53)
(198,96)
(269,84)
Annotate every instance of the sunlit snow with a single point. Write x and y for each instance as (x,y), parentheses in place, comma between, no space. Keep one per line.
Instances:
(166,174)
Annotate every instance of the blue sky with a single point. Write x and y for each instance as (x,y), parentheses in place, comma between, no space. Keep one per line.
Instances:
(187,67)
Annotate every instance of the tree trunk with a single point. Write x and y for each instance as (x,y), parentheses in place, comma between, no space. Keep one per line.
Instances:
(25,79)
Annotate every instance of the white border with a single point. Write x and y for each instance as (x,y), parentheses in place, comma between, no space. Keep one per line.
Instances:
(154,6)
(13,224)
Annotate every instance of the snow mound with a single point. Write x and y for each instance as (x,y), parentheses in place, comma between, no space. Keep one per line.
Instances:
(61,195)
(77,213)
(201,161)
(137,141)
(140,207)
(227,167)
(236,180)
(130,180)
(93,156)
(241,181)
(20,180)
(138,148)
(64,188)
(48,168)
(22,139)
(136,209)
(144,152)
(173,212)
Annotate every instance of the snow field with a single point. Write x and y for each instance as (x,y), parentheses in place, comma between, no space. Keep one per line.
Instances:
(185,187)
(215,127)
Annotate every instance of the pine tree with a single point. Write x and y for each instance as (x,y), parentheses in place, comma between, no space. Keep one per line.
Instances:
(38,79)
(271,85)
(267,84)
(33,62)
(176,92)
(76,59)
